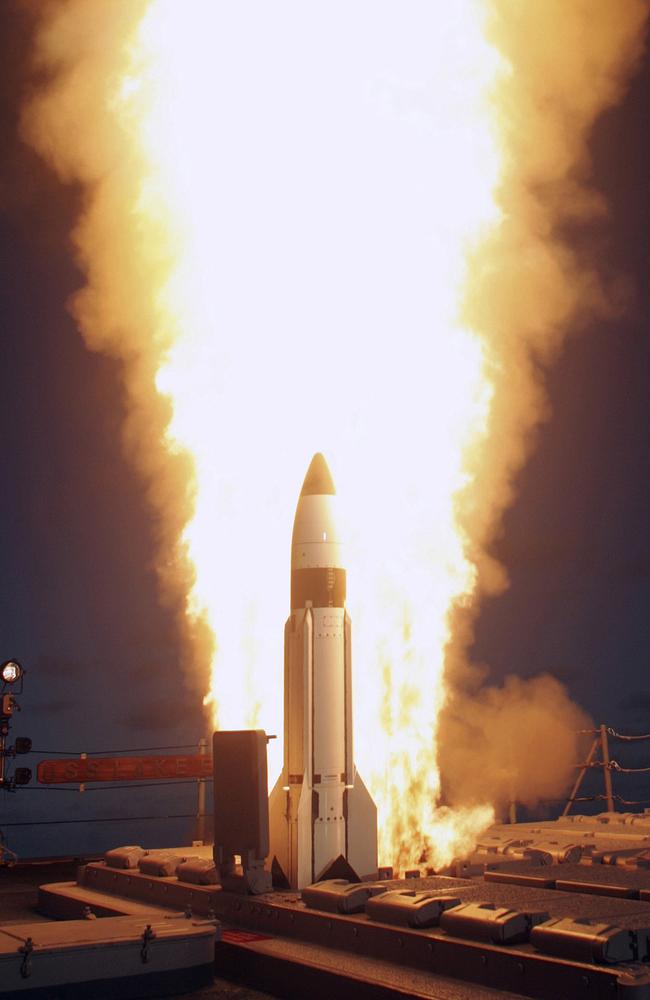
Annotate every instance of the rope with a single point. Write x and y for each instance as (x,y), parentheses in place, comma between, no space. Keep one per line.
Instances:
(48,788)
(107,787)
(615,766)
(96,753)
(612,732)
(105,819)
(603,798)
(627,739)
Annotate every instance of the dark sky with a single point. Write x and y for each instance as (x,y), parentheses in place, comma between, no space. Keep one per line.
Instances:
(577,540)
(78,600)
(78,603)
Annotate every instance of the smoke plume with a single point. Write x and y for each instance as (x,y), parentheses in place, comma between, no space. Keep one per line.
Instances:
(79,48)
(535,281)
(532,282)
(515,743)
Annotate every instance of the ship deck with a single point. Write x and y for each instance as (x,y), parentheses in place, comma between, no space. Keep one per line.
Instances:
(297,970)
(19,886)
(579,887)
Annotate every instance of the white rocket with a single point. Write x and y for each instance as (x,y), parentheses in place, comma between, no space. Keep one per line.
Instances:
(319,809)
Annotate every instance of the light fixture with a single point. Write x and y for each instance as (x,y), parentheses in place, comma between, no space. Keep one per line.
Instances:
(11,671)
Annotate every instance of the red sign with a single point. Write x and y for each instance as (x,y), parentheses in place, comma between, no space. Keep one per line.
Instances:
(82,769)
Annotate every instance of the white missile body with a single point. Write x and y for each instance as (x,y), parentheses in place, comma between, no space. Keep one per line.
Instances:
(319,808)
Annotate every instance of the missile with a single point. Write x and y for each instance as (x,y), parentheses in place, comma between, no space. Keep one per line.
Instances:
(323,820)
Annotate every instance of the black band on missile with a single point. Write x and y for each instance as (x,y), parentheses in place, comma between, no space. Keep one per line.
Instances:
(323,587)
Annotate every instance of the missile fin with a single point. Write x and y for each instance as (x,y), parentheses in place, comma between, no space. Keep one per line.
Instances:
(338,868)
(278,878)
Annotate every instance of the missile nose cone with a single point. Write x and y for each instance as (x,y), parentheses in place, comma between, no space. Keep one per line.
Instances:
(318,481)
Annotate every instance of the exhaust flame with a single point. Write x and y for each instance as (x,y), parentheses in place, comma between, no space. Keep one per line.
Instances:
(339,233)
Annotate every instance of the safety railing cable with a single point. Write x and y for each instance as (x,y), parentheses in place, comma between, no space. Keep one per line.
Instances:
(613,765)
(98,782)
(108,787)
(608,766)
(97,753)
(625,737)
(98,819)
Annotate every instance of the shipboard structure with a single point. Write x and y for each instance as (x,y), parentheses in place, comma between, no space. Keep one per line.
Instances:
(548,910)
(552,910)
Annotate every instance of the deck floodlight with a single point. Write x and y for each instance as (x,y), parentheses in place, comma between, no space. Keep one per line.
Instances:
(23,744)
(22,776)
(11,671)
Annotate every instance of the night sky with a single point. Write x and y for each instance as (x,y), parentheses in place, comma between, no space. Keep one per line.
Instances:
(78,603)
(577,540)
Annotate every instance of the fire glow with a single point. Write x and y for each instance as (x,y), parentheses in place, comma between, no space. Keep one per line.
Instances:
(285,202)
(391,407)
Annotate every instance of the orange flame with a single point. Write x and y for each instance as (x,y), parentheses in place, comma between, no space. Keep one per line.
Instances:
(277,241)
(301,390)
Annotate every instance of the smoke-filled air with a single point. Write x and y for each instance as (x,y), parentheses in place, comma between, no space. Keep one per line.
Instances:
(343,228)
